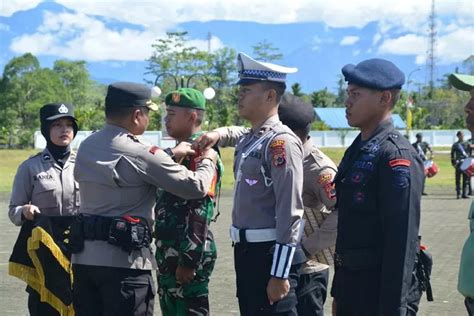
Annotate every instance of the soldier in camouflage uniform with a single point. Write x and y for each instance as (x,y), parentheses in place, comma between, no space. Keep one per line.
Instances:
(186,251)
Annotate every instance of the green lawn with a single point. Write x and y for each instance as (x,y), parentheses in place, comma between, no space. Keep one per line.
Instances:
(10,159)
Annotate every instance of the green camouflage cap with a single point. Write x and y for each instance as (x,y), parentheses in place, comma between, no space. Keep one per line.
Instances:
(462,82)
(186,98)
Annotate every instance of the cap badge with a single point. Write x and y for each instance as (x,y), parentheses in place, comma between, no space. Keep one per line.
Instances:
(176,97)
(63,109)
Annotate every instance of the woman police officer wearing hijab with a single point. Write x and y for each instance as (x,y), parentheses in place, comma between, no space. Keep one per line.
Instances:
(44,183)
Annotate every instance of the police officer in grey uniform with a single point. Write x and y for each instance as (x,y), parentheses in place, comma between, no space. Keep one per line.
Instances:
(319,200)
(379,185)
(119,175)
(44,183)
(268,207)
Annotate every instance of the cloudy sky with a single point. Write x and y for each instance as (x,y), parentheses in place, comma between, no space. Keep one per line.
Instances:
(318,37)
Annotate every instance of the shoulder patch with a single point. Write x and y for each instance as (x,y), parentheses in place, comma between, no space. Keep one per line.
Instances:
(277,143)
(325,178)
(279,158)
(153,149)
(401,177)
(399,162)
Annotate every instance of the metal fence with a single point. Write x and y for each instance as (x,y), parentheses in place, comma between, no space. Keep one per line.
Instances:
(336,138)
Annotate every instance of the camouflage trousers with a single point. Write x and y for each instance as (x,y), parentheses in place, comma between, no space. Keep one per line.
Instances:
(187,299)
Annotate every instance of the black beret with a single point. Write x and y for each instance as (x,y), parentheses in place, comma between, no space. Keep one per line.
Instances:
(295,113)
(53,111)
(129,94)
(378,74)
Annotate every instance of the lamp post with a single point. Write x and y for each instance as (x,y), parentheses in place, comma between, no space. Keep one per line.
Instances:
(208,93)
(407,103)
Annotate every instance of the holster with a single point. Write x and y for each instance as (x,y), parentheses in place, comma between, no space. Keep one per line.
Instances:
(129,233)
(424,264)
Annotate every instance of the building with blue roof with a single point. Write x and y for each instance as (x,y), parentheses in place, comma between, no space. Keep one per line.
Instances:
(335,118)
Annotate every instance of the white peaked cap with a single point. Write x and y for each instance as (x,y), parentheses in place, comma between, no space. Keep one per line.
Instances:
(251,69)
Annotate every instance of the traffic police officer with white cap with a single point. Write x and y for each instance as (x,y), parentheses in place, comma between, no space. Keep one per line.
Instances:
(319,199)
(268,207)
(379,185)
(119,175)
(45,184)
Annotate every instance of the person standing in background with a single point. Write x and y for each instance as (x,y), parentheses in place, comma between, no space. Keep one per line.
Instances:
(423,148)
(459,152)
(44,183)
(319,200)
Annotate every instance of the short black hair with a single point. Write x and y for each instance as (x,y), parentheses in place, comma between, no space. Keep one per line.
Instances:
(279,88)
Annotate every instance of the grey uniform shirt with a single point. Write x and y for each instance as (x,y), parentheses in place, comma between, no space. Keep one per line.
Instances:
(319,199)
(119,175)
(259,204)
(41,181)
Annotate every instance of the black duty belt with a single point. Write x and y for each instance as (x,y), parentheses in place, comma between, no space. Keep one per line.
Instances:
(127,232)
(358,258)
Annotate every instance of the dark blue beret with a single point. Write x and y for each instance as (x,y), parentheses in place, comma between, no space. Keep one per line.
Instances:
(379,74)
(295,113)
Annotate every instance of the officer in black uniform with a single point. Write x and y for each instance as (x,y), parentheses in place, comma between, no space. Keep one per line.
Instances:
(378,185)
(422,148)
(459,152)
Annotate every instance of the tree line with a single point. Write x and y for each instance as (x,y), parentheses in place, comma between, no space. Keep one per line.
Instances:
(25,86)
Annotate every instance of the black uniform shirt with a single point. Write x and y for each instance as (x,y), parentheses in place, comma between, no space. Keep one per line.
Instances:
(378,186)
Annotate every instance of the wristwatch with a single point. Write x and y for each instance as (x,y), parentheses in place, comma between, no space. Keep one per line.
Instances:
(170,153)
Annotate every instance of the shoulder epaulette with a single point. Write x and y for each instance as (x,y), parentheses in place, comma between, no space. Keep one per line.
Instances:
(34,155)
(133,137)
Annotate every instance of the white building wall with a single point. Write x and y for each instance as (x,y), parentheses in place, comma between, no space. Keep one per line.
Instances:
(320,138)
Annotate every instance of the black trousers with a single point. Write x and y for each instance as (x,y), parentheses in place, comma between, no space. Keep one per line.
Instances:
(111,291)
(469,303)
(357,292)
(461,185)
(311,293)
(252,262)
(38,308)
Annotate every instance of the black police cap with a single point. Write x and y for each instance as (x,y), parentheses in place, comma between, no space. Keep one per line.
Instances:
(129,94)
(378,74)
(295,113)
(53,111)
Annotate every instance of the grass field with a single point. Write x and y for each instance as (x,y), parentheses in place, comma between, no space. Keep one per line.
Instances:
(11,159)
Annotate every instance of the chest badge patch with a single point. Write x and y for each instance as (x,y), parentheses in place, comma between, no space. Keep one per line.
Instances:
(251,182)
